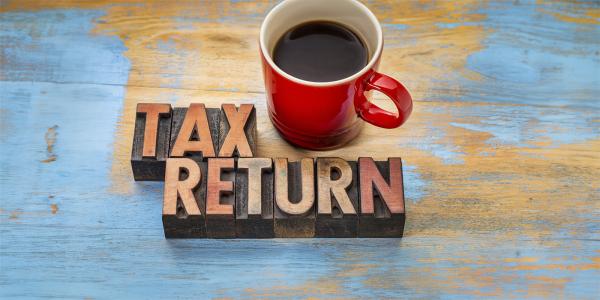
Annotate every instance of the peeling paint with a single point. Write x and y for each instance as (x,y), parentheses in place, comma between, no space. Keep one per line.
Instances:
(500,161)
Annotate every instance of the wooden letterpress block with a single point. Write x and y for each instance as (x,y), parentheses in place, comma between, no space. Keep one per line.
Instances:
(294,207)
(195,131)
(254,198)
(237,132)
(337,198)
(381,198)
(184,199)
(220,198)
(151,141)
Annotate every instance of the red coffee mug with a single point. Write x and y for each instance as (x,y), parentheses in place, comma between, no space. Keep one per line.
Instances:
(326,115)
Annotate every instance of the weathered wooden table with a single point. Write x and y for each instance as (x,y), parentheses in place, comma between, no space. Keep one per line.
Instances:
(502,152)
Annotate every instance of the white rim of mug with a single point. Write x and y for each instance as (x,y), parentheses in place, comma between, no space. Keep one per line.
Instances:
(372,61)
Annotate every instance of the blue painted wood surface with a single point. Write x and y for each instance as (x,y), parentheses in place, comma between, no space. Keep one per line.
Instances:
(501,153)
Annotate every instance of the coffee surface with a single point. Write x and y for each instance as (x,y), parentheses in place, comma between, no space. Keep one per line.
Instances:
(320,51)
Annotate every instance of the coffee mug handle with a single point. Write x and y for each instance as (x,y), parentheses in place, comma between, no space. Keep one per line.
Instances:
(397,93)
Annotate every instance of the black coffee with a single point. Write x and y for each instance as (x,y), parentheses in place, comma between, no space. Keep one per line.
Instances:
(320,51)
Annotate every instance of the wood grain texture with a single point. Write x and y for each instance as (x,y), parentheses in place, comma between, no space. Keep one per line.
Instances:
(500,162)
(192,134)
(220,198)
(151,137)
(254,198)
(237,131)
(294,207)
(184,208)
(382,212)
(337,198)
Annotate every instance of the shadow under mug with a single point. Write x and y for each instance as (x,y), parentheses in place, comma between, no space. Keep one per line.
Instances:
(326,115)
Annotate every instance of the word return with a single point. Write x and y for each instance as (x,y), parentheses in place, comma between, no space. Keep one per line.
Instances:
(216,187)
